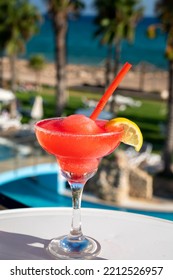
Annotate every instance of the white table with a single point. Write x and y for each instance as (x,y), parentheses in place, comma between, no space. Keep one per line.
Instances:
(24,233)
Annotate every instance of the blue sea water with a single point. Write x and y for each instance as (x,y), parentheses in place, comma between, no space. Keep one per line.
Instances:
(83,48)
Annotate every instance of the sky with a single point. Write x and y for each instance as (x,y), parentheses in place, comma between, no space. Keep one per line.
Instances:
(148,4)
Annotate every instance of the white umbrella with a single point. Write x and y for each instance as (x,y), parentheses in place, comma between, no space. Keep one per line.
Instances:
(37,109)
(6,96)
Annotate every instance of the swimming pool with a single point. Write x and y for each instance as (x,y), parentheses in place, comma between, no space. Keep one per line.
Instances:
(41,186)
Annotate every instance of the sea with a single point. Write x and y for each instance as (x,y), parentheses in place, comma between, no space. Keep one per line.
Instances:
(84,48)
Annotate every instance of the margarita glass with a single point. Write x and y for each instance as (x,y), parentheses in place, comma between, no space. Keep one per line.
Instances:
(78,155)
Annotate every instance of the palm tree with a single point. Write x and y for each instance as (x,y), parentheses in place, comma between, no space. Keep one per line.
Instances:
(59,11)
(23,22)
(5,34)
(164,11)
(37,64)
(116,20)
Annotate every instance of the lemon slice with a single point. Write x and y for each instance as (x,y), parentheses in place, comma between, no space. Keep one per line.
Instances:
(132,135)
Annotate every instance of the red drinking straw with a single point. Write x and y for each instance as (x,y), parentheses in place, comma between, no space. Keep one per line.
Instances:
(110,90)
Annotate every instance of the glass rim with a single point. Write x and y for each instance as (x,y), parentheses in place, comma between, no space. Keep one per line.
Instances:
(104,134)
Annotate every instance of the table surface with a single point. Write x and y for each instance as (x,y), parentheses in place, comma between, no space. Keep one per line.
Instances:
(25,233)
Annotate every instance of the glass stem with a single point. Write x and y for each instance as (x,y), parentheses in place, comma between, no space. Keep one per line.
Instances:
(76,230)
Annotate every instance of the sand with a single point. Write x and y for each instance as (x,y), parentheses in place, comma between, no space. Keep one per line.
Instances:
(153,79)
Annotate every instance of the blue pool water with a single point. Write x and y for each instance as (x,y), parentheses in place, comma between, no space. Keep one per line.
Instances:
(40,189)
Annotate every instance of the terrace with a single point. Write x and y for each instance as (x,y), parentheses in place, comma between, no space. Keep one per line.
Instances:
(27,171)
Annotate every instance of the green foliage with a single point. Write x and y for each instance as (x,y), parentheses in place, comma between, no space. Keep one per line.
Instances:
(5,33)
(37,62)
(151,31)
(19,21)
(65,6)
(116,19)
(164,11)
(169,52)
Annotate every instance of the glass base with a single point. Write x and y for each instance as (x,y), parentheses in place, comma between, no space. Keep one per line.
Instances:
(63,248)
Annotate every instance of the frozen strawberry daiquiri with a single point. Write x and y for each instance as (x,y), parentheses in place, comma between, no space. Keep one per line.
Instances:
(78,143)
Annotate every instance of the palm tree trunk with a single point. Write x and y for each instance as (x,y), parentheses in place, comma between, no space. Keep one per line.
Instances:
(60,25)
(13,72)
(142,72)
(113,105)
(108,67)
(38,81)
(168,150)
(1,71)
(117,56)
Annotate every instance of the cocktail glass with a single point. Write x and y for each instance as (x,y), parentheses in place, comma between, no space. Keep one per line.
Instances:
(78,157)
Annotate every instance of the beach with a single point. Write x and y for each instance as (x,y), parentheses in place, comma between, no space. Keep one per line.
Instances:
(148,78)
